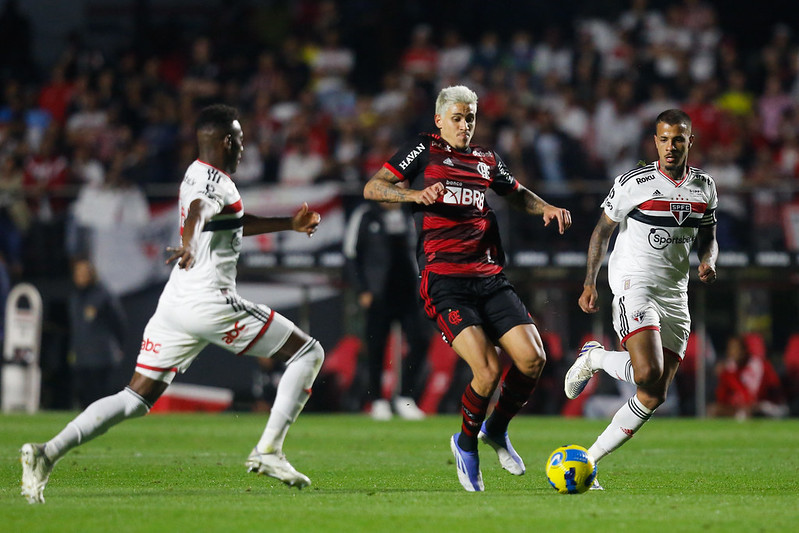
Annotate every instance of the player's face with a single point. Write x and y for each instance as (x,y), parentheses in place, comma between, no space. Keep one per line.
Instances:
(457,124)
(673,142)
(234,147)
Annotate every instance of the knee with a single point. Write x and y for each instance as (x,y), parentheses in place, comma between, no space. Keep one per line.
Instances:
(647,375)
(487,377)
(313,353)
(532,365)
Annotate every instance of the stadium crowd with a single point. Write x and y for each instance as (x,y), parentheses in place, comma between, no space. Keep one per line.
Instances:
(327,89)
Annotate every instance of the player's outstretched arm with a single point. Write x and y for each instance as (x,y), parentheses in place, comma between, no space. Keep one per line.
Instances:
(526,200)
(198,215)
(382,187)
(707,247)
(597,248)
(303,221)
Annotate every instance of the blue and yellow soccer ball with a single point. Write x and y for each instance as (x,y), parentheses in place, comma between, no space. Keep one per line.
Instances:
(571,469)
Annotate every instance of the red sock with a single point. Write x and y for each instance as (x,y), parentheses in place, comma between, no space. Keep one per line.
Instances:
(473,410)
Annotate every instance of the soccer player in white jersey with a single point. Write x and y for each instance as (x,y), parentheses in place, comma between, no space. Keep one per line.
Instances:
(662,210)
(200,306)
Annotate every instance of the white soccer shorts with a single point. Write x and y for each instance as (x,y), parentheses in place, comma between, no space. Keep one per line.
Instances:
(641,307)
(182,327)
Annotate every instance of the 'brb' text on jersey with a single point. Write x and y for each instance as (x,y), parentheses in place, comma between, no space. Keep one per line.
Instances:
(220,238)
(458,235)
(659,220)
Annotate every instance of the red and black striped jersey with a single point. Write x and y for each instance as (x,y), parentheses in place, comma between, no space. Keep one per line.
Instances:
(458,235)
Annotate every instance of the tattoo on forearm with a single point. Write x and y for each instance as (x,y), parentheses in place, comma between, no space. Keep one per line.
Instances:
(597,247)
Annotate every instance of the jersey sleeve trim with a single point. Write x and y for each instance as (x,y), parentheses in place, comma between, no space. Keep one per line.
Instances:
(388,166)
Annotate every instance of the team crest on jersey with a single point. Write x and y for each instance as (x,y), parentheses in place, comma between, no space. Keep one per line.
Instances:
(680,211)
(638,316)
(454,317)
(484,170)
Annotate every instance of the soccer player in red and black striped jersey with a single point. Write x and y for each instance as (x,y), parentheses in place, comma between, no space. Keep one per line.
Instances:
(461,262)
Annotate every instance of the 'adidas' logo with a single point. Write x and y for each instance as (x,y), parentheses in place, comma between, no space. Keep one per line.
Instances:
(657,193)
(449,162)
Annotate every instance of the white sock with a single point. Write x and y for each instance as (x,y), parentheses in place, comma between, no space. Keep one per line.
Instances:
(293,391)
(617,364)
(627,420)
(96,420)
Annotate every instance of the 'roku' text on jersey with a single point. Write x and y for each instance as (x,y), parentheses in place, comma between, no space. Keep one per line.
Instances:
(458,235)
(659,220)
(220,238)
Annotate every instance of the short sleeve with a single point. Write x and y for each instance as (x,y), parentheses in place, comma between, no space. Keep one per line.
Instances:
(409,159)
(503,182)
(617,203)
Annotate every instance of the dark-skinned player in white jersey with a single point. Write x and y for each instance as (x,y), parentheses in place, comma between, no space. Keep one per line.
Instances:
(199,306)
(463,286)
(662,210)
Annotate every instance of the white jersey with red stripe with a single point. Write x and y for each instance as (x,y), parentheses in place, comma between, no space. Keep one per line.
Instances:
(220,238)
(659,220)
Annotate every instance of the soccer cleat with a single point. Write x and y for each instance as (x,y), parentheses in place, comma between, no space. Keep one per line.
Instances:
(36,468)
(508,457)
(277,466)
(407,409)
(595,485)
(581,371)
(381,410)
(468,465)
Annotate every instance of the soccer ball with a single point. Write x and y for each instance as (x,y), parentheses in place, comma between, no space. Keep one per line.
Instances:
(571,469)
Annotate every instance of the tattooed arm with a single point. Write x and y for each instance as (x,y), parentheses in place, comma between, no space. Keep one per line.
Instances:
(383,188)
(597,248)
(526,200)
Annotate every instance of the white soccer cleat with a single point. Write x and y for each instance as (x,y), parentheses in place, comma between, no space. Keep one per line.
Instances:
(581,371)
(508,458)
(595,485)
(36,468)
(381,410)
(277,466)
(407,409)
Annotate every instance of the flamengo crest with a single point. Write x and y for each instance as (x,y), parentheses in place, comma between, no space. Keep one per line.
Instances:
(680,210)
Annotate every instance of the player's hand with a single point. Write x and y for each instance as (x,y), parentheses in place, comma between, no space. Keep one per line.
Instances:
(707,273)
(184,255)
(429,195)
(563,216)
(305,220)
(588,299)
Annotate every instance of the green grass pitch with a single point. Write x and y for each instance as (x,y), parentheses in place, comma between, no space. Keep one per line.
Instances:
(184,472)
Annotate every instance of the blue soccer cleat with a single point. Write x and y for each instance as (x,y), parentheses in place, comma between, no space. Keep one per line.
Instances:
(468,464)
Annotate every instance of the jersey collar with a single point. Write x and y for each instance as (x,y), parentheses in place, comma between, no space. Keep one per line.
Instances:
(676,183)
(213,167)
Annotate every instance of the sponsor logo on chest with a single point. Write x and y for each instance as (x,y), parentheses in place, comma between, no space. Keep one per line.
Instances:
(457,195)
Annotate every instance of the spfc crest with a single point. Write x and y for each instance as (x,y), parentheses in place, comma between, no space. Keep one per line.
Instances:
(680,210)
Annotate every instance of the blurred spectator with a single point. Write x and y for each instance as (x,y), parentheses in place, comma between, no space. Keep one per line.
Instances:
(733,227)
(747,385)
(379,245)
(14,214)
(201,81)
(617,124)
(46,176)
(299,165)
(97,327)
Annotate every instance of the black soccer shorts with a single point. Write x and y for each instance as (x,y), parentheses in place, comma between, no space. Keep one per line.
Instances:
(455,303)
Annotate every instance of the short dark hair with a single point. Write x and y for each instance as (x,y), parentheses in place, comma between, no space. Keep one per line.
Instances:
(216,116)
(673,117)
